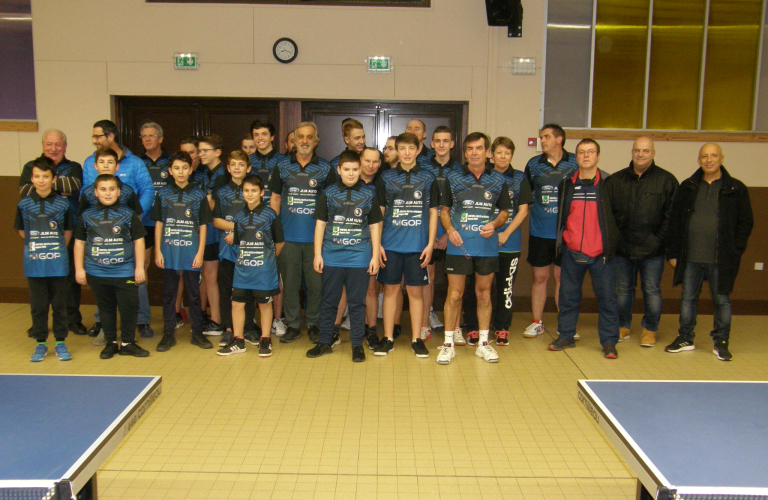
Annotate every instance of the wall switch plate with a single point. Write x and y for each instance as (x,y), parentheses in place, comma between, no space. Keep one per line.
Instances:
(758,266)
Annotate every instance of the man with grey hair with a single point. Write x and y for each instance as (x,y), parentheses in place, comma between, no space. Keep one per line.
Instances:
(69,178)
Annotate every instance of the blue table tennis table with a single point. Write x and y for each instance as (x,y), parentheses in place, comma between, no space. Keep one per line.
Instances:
(57,430)
(686,440)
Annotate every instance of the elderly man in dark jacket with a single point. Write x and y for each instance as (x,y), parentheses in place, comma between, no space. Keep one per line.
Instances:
(708,232)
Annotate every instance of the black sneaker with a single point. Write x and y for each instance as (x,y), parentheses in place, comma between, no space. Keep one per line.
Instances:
(109,350)
(609,351)
(721,350)
(291,334)
(226,339)
(133,349)
(213,329)
(419,348)
(94,330)
(165,344)
(252,337)
(384,347)
(336,339)
(319,350)
(234,346)
(372,336)
(200,341)
(559,345)
(146,331)
(396,332)
(255,328)
(179,320)
(206,317)
(77,328)
(265,347)
(314,334)
(680,344)
(358,354)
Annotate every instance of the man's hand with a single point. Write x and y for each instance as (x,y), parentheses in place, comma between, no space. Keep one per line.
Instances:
(80,277)
(455,238)
(442,242)
(382,258)
(139,275)
(426,256)
(673,262)
(318,264)
(373,267)
(487,230)
(502,238)
(230,238)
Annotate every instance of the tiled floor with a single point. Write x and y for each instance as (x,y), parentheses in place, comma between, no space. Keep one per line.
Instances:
(289,427)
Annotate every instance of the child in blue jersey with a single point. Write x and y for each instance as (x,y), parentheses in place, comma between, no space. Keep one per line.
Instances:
(109,256)
(181,212)
(44,222)
(258,235)
(347,243)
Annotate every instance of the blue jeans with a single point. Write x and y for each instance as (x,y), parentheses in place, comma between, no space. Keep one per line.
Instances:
(603,283)
(650,271)
(694,277)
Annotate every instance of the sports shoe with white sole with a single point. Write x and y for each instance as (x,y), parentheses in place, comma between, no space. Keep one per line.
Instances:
(445,353)
(426,333)
(458,338)
(434,321)
(345,324)
(487,352)
(534,330)
(278,327)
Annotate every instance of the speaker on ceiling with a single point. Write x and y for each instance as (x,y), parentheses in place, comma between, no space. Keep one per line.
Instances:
(506,13)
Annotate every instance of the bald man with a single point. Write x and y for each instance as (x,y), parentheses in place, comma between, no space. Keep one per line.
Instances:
(708,231)
(419,129)
(641,198)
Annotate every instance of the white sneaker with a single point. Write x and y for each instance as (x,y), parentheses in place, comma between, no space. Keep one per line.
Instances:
(534,330)
(445,354)
(345,323)
(380,314)
(99,340)
(278,327)
(458,338)
(434,321)
(576,336)
(426,333)
(487,352)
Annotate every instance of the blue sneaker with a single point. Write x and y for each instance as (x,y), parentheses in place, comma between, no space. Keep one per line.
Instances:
(40,351)
(62,352)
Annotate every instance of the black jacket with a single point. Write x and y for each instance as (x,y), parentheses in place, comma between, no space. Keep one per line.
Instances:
(642,206)
(734,225)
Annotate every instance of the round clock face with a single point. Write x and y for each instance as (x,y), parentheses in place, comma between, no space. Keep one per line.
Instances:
(285,50)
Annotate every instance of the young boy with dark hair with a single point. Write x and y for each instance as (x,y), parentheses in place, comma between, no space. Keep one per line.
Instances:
(181,213)
(258,234)
(111,235)
(44,222)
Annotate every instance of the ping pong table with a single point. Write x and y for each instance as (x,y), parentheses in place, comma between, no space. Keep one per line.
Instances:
(57,430)
(686,440)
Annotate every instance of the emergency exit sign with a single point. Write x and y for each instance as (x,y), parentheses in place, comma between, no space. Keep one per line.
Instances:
(379,64)
(185,60)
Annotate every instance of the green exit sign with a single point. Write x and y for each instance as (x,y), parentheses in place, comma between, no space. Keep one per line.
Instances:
(185,60)
(379,64)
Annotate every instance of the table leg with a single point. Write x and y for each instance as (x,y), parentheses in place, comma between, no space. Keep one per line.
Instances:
(642,493)
(89,491)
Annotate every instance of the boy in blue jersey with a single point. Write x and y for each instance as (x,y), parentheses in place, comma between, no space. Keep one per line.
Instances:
(409,198)
(181,212)
(44,222)
(475,204)
(109,256)
(258,235)
(347,242)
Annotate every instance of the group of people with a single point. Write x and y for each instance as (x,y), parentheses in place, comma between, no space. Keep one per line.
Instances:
(350,236)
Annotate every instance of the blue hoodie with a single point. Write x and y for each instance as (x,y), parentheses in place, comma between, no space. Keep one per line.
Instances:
(132,171)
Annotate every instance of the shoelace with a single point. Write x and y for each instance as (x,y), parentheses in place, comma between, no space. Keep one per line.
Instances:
(502,335)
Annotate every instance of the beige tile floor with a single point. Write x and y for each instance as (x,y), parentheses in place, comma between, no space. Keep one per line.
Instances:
(289,427)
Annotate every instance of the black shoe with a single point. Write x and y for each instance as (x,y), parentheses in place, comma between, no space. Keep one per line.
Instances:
(94,330)
(721,350)
(226,339)
(179,321)
(77,328)
(419,348)
(234,346)
(265,347)
(336,339)
(146,331)
(609,351)
(314,334)
(291,334)
(256,329)
(133,349)
(165,344)
(206,318)
(358,354)
(319,350)
(384,347)
(372,336)
(680,344)
(200,341)
(396,332)
(109,350)
(213,329)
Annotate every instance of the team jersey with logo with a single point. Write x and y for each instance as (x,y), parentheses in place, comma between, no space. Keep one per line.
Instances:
(263,166)
(132,171)
(426,153)
(256,233)
(109,233)
(473,203)
(211,181)
(127,198)
(227,201)
(519,194)
(407,197)
(348,212)
(182,212)
(300,188)
(441,176)
(44,221)
(69,178)
(158,171)
(544,179)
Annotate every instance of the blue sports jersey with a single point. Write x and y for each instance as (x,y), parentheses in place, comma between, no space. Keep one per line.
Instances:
(473,203)
(263,166)
(300,188)
(109,233)
(227,201)
(519,194)
(127,198)
(426,153)
(544,179)
(132,171)
(44,221)
(69,179)
(348,211)
(158,172)
(441,176)
(256,232)
(182,212)
(408,196)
